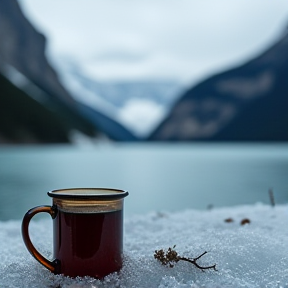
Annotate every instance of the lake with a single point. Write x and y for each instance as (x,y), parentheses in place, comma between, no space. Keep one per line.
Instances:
(159,177)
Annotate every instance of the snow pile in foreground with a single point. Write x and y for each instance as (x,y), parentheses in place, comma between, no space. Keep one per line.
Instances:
(250,255)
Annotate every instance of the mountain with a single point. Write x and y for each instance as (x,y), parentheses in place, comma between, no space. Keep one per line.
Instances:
(126,102)
(22,47)
(18,125)
(247,103)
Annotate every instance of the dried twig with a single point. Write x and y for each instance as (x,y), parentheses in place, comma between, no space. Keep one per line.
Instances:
(171,256)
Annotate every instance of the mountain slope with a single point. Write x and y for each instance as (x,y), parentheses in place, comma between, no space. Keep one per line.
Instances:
(23,47)
(248,103)
(24,120)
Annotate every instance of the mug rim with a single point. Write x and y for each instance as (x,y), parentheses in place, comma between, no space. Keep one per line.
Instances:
(88,193)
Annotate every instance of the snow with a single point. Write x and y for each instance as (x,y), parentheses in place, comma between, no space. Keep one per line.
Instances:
(251,255)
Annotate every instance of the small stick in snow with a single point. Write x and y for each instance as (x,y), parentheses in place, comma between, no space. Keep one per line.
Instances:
(171,256)
(271,197)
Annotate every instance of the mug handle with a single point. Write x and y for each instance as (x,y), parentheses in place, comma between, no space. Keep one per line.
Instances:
(53,266)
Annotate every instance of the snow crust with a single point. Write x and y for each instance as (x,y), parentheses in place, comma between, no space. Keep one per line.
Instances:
(251,255)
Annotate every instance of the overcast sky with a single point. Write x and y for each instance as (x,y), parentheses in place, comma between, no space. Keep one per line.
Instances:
(157,39)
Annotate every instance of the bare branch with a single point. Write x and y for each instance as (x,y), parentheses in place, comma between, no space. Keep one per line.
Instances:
(171,256)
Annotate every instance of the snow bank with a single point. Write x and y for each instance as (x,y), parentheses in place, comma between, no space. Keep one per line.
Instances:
(251,255)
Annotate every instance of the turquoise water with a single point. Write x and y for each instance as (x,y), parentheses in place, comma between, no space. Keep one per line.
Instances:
(159,177)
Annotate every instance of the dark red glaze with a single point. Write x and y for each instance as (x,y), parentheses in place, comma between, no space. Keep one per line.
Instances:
(88,244)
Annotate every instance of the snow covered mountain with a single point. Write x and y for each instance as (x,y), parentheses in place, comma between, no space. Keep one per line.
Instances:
(125,102)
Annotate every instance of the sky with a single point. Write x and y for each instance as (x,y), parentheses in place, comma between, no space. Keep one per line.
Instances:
(180,40)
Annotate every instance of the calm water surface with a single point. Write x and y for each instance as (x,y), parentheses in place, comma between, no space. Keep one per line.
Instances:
(159,177)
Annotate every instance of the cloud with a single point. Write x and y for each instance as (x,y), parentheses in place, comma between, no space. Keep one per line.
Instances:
(140,115)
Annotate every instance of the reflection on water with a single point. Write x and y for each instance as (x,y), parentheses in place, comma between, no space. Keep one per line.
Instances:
(159,177)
